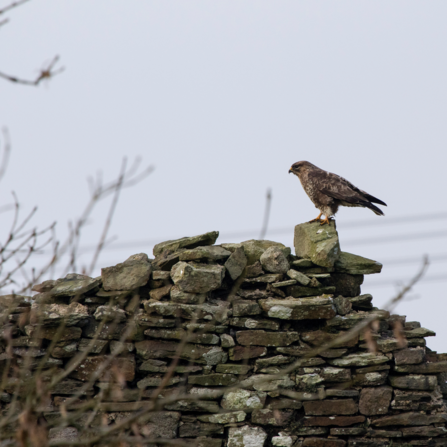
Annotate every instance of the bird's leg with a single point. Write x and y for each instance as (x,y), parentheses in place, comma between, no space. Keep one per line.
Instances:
(317,219)
(326,220)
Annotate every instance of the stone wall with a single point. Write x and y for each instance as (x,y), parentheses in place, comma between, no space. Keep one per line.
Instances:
(232,345)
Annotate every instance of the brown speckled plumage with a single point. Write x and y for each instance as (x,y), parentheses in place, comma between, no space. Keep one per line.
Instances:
(329,191)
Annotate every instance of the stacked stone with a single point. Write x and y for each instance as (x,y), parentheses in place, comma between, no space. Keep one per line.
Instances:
(235,318)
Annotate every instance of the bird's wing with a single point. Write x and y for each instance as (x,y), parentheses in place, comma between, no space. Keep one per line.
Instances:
(337,187)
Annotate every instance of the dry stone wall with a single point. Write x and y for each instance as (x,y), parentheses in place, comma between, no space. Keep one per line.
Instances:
(224,338)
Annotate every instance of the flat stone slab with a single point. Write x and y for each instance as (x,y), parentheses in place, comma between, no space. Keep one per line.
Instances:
(90,365)
(55,314)
(297,291)
(249,352)
(262,338)
(252,323)
(186,242)
(189,311)
(419,333)
(411,418)
(410,356)
(318,338)
(74,285)
(299,308)
(330,407)
(316,243)
(211,252)
(364,359)
(424,368)
(132,273)
(246,436)
(414,382)
(268,416)
(236,263)
(243,400)
(356,265)
(340,421)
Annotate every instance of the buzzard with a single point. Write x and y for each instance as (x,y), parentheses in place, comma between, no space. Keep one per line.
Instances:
(328,191)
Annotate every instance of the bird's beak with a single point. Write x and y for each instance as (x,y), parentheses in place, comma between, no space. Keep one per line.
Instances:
(290,170)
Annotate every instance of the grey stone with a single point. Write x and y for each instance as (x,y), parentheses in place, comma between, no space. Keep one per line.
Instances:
(266,382)
(289,282)
(268,416)
(330,407)
(254,249)
(181,334)
(262,338)
(302,291)
(161,424)
(187,242)
(210,252)
(265,279)
(364,359)
(160,275)
(197,428)
(346,285)
(298,276)
(410,419)
(180,296)
(243,400)
(303,263)
(410,356)
(159,293)
(375,400)
(254,270)
(356,265)
(316,243)
(224,418)
(243,308)
(419,332)
(414,382)
(233,369)
(190,311)
(110,313)
(299,308)
(55,314)
(374,378)
(74,285)
(118,347)
(273,260)
(362,302)
(343,305)
(197,278)
(226,341)
(95,347)
(246,352)
(246,436)
(236,263)
(252,323)
(132,273)
(425,368)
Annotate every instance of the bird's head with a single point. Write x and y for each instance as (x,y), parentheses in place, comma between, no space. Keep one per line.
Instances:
(299,167)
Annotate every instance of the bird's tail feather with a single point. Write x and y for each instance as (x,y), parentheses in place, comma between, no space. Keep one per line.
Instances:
(375,209)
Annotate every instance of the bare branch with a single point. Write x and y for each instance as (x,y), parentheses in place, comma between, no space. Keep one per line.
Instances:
(45,73)
(12,5)
(268,202)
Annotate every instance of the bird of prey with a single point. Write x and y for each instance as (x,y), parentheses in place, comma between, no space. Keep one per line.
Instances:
(328,191)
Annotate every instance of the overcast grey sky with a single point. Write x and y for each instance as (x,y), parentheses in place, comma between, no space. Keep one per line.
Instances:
(222,97)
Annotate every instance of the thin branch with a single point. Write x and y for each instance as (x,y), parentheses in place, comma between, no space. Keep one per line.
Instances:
(12,5)
(108,222)
(45,73)
(268,202)
(6,152)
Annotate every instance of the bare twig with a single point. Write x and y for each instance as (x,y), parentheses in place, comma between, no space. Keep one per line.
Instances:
(268,202)
(12,5)
(45,73)
(6,152)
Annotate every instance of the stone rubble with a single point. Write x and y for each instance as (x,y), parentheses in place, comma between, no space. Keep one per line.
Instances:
(238,318)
